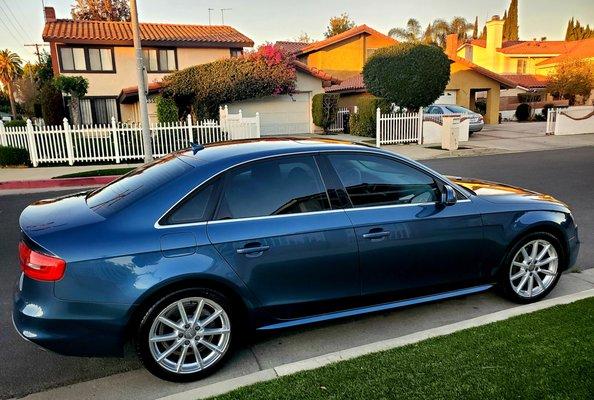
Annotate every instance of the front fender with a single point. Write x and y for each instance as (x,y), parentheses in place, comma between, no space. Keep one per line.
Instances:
(502,230)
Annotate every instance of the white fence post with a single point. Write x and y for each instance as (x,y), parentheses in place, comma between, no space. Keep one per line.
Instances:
(420,141)
(116,140)
(32,144)
(257,124)
(189,122)
(377,127)
(3,139)
(68,140)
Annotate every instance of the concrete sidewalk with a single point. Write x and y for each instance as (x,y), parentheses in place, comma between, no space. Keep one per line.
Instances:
(291,346)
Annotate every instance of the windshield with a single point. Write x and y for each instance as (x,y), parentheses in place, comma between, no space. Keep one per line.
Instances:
(136,184)
(459,110)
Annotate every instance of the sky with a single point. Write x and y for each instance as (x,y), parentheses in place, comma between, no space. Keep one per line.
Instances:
(21,21)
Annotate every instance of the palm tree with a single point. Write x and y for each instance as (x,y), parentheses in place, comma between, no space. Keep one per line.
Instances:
(412,32)
(10,69)
(440,28)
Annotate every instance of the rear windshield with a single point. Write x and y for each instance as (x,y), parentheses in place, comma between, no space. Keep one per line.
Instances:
(458,109)
(136,184)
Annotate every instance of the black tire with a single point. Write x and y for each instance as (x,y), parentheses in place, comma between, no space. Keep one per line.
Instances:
(142,334)
(504,284)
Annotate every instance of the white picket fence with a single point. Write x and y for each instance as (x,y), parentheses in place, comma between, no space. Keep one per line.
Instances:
(400,127)
(572,120)
(551,120)
(117,142)
(338,124)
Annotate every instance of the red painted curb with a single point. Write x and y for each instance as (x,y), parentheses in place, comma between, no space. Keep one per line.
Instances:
(63,182)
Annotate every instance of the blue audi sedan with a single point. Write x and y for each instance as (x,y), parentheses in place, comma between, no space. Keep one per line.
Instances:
(184,256)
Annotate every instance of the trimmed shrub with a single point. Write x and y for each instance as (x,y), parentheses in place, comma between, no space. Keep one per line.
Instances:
(52,105)
(363,122)
(410,75)
(523,112)
(323,109)
(166,109)
(528,97)
(15,123)
(13,156)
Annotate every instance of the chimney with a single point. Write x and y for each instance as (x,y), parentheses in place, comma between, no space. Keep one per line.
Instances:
(494,33)
(49,14)
(451,44)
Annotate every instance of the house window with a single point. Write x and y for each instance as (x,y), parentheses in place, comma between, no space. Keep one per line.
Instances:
(522,66)
(236,52)
(159,60)
(98,110)
(74,59)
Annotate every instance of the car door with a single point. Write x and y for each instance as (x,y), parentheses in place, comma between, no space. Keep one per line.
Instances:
(274,225)
(407,240)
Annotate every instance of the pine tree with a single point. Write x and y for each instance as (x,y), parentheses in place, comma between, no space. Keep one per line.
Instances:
(475,28)
(484,33)
(510,27)
(578,31)
(570,27)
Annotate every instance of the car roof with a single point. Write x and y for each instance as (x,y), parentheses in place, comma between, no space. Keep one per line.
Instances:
(250,149)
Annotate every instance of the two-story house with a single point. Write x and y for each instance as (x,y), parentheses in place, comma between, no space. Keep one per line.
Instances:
(103,52)
(345,54)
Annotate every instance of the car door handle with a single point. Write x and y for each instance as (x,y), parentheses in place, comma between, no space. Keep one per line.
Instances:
(376,235)
(253,250)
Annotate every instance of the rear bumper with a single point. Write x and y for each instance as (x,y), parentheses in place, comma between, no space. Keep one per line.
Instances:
(69,328)
(476,126)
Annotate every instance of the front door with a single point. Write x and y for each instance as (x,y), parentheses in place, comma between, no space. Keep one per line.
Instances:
(275,227)
(407,241)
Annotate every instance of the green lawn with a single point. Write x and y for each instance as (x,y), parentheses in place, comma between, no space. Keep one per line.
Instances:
(96,172)
(548,354)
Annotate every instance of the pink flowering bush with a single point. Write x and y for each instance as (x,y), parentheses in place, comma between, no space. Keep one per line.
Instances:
(201,89)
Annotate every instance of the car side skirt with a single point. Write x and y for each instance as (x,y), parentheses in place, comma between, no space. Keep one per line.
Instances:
(375,308)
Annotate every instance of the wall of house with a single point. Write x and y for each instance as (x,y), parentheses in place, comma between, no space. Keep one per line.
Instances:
(466,82)
(342,59)
(111,84)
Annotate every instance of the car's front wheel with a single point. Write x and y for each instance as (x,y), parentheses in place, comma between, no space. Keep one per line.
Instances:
(532,268)
(185,335)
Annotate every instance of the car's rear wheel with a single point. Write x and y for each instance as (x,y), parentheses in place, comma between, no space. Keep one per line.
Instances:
(532,268)
(185,335)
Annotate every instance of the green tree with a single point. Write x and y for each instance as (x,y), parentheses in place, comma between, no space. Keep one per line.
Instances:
(440,29)
(412,32)
(475,28)
(484,33)
(10,70)
(101,10)
(510,26)
(410,75)
(166,109)
(572,79)
(569,32)
(339,24)
(76,87)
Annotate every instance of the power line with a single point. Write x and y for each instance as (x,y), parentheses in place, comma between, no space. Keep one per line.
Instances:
(23,39)
(18,42)
(16,20)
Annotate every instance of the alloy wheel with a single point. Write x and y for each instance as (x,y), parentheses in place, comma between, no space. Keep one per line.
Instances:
(190,335)
(534,268)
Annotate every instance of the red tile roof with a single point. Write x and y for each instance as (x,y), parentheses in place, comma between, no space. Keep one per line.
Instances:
(317,73)
(538,47)
(529,81)
(119,32)
(130,94)
(356,84)
(352,84)
(342,36)
(291,47)
(580,50)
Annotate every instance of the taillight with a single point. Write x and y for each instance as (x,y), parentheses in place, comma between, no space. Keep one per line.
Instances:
(40,266)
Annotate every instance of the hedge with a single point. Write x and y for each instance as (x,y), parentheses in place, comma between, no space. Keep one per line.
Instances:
(166,109)
(363,122)
(410,75)
(13,156)
(323,109)
(523,112)
(15,123)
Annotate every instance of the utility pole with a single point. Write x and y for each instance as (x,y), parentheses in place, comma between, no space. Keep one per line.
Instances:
(144,120)
(36,52)
(209,19)
(223,15)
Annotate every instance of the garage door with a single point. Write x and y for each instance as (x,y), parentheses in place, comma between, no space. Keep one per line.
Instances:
(284,115)
(448,97)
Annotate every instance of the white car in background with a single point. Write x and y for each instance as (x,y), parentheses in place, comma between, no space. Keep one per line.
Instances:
(476,119)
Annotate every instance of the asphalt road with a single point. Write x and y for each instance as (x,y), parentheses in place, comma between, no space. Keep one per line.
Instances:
(566,174)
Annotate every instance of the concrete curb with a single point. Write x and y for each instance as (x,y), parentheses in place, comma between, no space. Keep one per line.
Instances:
(53,183)
(316,362)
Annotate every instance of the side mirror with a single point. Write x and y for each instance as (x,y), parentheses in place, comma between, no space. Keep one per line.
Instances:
(448,196)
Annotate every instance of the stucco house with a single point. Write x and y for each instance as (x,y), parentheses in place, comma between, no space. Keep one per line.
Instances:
(345,54)
(528,63)
(103,52)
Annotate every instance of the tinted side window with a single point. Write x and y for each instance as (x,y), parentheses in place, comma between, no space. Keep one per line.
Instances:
(196,208)
(375,181)
(280,186)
